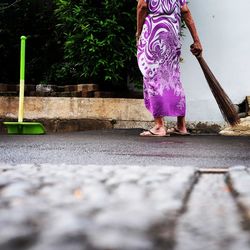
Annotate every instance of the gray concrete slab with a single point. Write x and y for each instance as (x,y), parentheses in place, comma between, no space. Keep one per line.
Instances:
(74,207)
(82,207)
(115,147)
(212,220)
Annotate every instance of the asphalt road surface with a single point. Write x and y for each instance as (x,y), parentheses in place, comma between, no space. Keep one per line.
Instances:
(125,147)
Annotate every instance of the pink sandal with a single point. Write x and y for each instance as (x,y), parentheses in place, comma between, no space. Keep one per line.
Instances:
(176,131)
(149,133)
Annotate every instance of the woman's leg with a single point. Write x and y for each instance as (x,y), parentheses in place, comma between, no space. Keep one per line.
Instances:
(181,124)
(158,129)
(159,122)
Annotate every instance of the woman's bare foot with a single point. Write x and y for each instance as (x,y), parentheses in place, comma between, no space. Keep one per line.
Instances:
(158,129)
(155,131)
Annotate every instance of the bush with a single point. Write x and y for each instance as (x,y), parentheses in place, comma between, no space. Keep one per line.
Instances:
(89,40)
(70,41)
(36,20)
(99,40)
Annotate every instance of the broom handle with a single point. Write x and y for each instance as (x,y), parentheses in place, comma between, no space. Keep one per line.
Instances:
(22,79)
(203,63)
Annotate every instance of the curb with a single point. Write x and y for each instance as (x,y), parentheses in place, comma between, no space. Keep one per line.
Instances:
(76,125)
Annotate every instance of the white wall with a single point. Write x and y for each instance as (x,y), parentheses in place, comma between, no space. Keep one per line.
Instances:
(224,30)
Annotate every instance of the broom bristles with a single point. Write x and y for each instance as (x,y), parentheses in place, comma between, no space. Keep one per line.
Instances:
(226,106)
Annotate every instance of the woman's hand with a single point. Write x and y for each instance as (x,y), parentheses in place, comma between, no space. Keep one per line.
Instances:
(196,48)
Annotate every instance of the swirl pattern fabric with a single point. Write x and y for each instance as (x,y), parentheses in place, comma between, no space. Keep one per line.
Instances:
(158,55)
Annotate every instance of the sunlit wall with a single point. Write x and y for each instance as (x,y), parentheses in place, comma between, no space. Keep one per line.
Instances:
(224,29)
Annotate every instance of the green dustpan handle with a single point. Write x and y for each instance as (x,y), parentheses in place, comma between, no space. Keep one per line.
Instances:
(22,62)
(22,79)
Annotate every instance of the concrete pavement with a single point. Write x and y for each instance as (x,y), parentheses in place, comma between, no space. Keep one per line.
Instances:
(116,147)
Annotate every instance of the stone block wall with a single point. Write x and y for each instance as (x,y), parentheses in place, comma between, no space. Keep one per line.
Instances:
(248,103)
(78,90)
(64,114)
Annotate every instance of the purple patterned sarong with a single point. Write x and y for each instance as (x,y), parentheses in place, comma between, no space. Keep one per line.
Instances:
(158,55)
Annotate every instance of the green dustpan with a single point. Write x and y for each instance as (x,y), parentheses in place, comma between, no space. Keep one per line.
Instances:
(25,128)
(20,127)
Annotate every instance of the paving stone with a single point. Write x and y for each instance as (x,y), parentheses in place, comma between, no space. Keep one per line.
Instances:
(212,219)
(128,217)
(104,238)
(87,207)
(65,244)
(239,178)
(19,229)
(121,177)
(17,190)
(79,207)
(62,230)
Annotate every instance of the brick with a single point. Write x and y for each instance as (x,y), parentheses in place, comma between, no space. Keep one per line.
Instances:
(30,87)
(13,87)
(32,93)
(87,87)
(76,94)
(3,87)
(69,88)
(59,88)
(9,93)
(68,94)
(63,94)
(43,94)
(248,104)
(87,94)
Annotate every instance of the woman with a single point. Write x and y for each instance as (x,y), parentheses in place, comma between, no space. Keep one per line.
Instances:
(158,54)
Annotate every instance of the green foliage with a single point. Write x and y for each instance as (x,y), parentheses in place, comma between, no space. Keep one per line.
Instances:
(36,20)
(99,39)
(70,41)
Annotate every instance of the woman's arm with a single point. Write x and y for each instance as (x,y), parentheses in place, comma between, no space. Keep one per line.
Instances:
(196,47)
(142,11)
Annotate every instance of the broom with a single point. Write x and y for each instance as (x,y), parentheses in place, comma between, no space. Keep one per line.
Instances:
(226,106)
